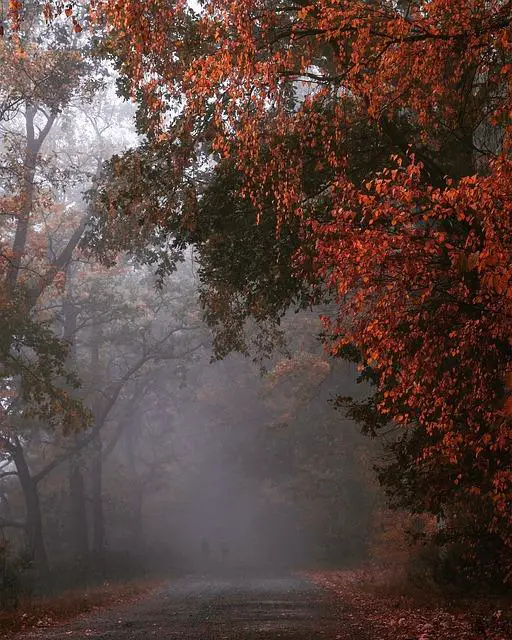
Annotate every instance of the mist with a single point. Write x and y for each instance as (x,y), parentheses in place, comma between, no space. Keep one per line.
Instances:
(255,319)
(136,440)
(228,497)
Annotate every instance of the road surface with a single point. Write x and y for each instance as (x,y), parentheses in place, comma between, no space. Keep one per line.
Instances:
(199,608)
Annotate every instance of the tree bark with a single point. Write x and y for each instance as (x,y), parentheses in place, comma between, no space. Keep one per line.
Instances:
(137,526)
(32,149)
(79,531)
(98,516)
(34,523)
(79,534)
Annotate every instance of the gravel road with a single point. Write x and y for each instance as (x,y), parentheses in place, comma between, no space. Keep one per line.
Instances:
(202,608)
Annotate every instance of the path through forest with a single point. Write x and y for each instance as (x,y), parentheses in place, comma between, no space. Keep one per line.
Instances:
(234,608)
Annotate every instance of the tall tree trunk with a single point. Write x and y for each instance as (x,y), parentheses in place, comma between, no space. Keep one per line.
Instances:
(98,518)
(32,149)
(33,509)
(138,521)
(79,531)
(137,526)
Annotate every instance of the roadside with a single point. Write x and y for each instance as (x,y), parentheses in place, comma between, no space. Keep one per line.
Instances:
(43,613)
(391,613)
(355,605)
(242,607)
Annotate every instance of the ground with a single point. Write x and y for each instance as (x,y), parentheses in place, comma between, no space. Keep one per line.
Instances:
(315,605)
(200,608)
(395,609)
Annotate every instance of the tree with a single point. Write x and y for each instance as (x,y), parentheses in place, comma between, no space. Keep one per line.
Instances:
(39,235)
(122,342)
(41,83)
(35,380)
(413,245)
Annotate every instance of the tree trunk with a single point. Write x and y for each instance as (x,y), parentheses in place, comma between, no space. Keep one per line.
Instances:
(79,532)
(32,149)
(98,518)
(138,521)
(33,509)
(137,528)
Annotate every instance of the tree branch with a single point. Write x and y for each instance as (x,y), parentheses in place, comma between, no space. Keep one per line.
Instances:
(60,263)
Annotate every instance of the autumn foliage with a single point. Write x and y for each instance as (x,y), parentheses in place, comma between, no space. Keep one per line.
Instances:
(384,128)
(368,596)
(415,249)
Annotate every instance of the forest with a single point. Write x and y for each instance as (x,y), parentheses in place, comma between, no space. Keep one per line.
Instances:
(256,302)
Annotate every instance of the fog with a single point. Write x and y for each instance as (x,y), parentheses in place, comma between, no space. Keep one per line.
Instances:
(131,449)
(228,518)
(229,498)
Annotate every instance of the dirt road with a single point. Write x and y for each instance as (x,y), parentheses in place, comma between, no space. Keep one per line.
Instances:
(200,608)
